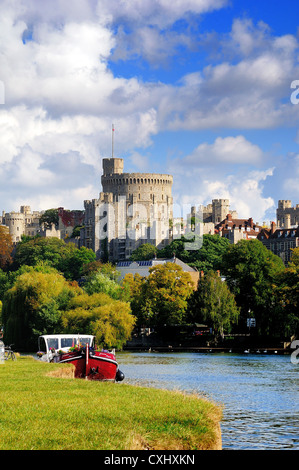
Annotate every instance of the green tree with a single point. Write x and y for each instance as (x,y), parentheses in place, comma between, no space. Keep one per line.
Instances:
(6,247)
(99,282)
(144,252)
(165,293)
(251,270)
(109,320)
(74,259)
(65,257)
(5,283)
(213,303)
(50,217)
(208,257)
(135,287)
(33,306)
(287,297)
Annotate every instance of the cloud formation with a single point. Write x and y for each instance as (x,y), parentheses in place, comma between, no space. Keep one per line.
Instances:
(63,90)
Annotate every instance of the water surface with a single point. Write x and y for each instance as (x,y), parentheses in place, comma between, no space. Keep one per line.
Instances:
(258,392)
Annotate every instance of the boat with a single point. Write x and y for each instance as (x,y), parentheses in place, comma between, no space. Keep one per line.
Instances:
(80,351)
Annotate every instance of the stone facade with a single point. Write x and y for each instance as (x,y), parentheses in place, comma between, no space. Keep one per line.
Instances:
(281,241)
(286,215)
(213,213)
(132,209)
(21,223)
(27,222)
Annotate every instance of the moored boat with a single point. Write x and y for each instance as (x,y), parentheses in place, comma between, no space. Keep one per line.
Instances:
(80,351)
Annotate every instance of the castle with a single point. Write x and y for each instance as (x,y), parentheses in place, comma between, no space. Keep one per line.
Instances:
(132,209)
(28,223)
(286,215)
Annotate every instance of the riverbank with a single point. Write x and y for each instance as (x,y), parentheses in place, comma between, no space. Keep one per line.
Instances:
(208,349)
(44,408)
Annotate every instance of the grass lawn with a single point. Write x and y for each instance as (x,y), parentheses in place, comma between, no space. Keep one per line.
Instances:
(42,407)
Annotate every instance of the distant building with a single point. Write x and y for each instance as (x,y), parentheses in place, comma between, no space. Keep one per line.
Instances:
(286,215)
(281,241)
(237,229)
(213,213)
(21,223)
(27,222)
(68,220)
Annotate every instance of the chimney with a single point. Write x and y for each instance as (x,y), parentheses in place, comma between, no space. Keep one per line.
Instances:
(273,227)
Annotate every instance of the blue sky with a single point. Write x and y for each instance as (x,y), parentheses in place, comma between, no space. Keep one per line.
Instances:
(199,89)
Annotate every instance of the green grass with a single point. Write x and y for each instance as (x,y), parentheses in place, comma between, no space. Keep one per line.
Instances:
(43,408)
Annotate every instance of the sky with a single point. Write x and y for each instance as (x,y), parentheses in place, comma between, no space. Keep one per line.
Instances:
(204,90)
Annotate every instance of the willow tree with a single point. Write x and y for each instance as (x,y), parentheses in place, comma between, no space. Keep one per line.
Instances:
(109,320)
(33,307)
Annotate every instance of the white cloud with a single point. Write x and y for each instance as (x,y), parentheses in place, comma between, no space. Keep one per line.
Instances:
(210,172)
(227,150)
(61,97)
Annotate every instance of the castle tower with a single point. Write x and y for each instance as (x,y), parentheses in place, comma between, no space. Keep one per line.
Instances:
(133,208)
(220,208)
(286,215)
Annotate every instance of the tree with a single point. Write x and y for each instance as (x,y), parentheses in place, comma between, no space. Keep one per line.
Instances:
(99,282)
(207,257)
(50,217)
(65,257)
(144,252)
(251,271)
(31,252)
(287,296)
(6,247)
(165,292)
(5,283)
(135,286)
(213,303)
(74,259)
(109,320)
(33,306)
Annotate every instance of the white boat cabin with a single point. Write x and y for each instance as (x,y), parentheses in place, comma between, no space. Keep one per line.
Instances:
(48,345)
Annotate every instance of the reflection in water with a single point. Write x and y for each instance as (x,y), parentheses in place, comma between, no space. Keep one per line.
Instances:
(259,393)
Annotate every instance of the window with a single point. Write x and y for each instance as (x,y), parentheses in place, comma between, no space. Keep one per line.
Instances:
(52,343)
(67,342)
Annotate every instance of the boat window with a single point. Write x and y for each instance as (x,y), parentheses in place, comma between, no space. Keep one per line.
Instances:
(42,344)
(84,341)
(52,343)
(67,342)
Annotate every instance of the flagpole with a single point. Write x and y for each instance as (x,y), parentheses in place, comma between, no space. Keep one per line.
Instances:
(112,140)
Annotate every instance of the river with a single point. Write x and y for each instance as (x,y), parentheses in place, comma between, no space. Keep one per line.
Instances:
(258,392)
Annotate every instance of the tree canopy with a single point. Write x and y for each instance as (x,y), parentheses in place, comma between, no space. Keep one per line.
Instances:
(208,257)
(145,251)
(65,257)
(214,304)
(109,320)
(32,306)
(161,298)
(251,270)
(6,247)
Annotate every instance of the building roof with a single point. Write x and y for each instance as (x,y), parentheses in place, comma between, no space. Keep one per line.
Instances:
(251,228)
(155,262)
(278,233)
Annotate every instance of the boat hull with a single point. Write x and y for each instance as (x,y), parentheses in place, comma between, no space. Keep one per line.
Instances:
(98,365)
(77,359)
(101,366)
